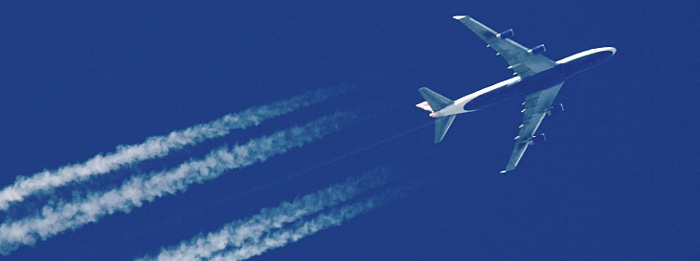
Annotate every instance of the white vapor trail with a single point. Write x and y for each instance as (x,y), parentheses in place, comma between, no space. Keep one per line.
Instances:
(139,189)
(239,233)
(154,147)
(282,237)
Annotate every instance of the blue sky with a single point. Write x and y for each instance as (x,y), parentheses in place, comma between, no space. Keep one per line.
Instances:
(616,179)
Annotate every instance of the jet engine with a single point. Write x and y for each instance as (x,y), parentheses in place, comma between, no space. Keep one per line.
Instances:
(554,109)
(538,138)
(537,50)
(506,34)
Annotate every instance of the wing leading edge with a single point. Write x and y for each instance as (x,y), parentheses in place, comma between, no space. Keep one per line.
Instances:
(525,62)
(537,105)
(522,60)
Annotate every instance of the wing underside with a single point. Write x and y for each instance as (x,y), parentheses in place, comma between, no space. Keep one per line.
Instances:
(537,105)
(522,60)
(525,62)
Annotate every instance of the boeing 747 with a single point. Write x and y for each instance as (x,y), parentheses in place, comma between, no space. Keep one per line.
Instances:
(537,79)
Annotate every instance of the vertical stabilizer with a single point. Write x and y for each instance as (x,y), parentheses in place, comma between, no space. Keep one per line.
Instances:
(442,124)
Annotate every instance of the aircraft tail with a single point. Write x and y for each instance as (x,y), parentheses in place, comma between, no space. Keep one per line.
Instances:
(435,102)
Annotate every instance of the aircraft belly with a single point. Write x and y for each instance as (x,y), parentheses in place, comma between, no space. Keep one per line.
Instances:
(584,63)
(538,82)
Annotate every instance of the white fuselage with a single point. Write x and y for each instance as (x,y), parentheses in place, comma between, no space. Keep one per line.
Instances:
(517,87)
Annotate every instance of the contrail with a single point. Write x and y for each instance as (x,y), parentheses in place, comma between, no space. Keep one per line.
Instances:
(239,233)
(282,237)
(155,147)
(137,190)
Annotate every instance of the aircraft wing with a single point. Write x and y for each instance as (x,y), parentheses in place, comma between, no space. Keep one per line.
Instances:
(537,105)
(525,62)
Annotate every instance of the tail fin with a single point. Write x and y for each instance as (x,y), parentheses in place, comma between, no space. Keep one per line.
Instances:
(442,124)
(437,102)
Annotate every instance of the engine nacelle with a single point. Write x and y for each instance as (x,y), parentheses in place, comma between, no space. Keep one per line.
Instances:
(538,138)
(537,49)
(506,34)
(554,109)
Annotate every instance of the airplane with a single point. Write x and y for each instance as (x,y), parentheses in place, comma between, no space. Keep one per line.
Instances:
(536,78)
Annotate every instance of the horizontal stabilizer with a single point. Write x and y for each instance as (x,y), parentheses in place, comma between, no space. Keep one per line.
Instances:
(442,124)
(436,101)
